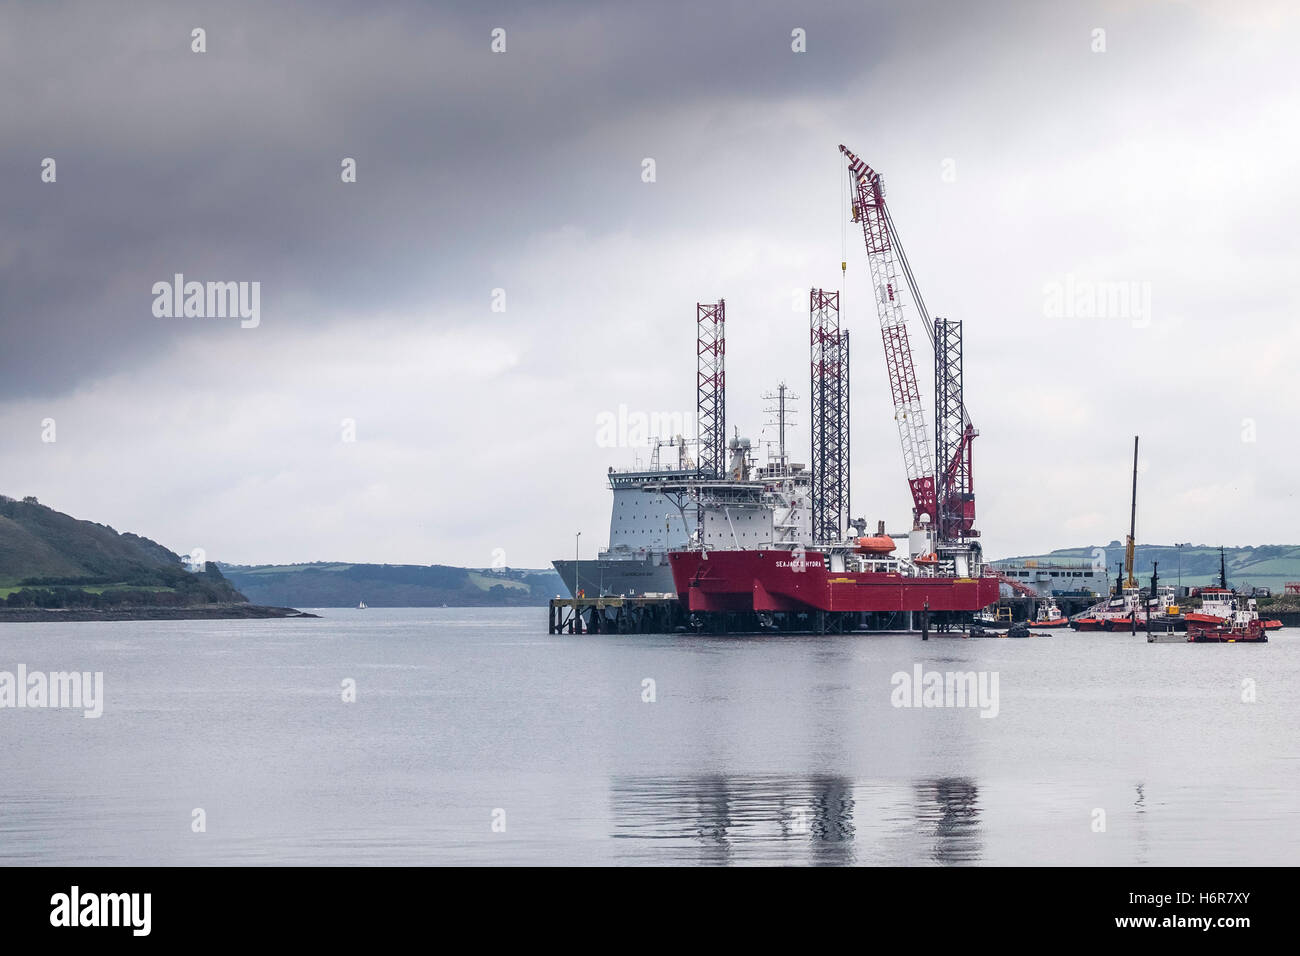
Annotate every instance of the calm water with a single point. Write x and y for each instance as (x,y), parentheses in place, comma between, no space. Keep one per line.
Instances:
(756,750)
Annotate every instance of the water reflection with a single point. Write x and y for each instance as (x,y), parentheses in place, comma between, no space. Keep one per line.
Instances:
(949,810)
(1141,857)
(818,819)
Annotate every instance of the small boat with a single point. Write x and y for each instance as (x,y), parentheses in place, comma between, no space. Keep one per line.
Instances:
(999,618)
(1014,630)
(1050,615)
(1251,632)
(362,606)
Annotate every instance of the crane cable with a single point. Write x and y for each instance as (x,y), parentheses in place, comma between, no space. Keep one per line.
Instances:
(844,233)
(926,322)
(844,224)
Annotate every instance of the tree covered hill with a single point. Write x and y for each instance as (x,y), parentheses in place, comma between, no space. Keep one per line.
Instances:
(52,560)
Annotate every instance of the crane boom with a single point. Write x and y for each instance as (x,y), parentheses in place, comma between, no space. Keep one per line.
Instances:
(888,266)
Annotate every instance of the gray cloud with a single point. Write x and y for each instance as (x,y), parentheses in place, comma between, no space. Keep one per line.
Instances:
(226,164)
(1163,161)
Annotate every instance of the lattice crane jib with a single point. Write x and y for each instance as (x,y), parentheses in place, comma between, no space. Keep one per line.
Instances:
(888,273)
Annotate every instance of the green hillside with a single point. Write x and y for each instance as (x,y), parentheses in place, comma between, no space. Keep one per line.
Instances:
(1270,566)
(332,584)
(51,560)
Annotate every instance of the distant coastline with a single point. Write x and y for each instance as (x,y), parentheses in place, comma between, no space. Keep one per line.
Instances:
(343,584)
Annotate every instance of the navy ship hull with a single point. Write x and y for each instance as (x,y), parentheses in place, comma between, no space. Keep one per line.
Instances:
(618,578)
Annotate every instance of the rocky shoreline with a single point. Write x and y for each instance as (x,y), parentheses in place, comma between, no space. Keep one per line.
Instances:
(198,612)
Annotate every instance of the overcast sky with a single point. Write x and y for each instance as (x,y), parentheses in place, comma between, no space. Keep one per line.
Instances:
(1020,161)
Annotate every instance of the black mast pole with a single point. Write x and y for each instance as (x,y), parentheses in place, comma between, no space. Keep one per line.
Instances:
(1132,522)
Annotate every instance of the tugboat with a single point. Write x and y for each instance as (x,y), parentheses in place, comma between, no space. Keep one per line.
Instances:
(1251,632)
(1049,615)
(1130,617)
(1223,606)
(1157,613)
(1220,607)
(1165,618)
(994,618)
(1114,615)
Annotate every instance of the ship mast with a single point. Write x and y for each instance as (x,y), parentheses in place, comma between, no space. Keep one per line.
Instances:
(1129,580)
(781,396)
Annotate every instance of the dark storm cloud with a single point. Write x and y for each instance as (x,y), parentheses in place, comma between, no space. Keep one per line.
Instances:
(225,165)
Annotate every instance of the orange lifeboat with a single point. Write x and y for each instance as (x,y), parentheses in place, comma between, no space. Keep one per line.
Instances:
(930,558)
(876,544)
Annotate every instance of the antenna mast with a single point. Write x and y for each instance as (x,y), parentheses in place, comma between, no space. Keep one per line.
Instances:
(781,396)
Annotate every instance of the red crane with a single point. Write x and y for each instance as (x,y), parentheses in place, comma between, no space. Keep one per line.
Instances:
(889,270)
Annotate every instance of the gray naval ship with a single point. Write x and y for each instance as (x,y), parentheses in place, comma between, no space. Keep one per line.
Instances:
(643,527)
(657,510)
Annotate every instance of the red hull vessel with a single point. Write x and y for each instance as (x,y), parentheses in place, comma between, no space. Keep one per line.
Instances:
(1249,633)
(795,581)
(1126,624)
(1212,620)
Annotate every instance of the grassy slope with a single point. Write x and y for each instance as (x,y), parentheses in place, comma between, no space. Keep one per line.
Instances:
(24,554)
(43,549)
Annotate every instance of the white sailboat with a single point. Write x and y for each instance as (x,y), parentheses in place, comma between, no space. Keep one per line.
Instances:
(361,606)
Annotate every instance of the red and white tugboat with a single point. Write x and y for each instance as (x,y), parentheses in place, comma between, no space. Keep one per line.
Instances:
(1115,614)
(1249,632)
(1049,615)
(1221,606)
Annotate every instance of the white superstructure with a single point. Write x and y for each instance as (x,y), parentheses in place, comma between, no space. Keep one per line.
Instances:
(752,508)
